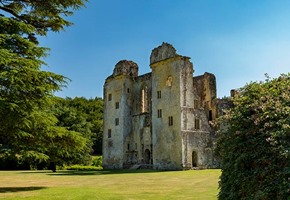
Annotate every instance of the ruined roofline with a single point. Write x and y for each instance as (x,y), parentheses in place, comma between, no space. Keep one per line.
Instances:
(171,59)
(124,68)
(164,52)
(147,75)
(203,75)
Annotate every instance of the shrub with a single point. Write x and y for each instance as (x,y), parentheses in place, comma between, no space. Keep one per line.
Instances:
(97,161)
(84,168)
(255,147)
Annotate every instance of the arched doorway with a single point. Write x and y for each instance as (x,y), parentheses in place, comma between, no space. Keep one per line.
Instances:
(194,159)
(147,156)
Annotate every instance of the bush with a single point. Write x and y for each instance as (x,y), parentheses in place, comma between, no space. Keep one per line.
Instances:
(84,168)
(97,161)
(255,147)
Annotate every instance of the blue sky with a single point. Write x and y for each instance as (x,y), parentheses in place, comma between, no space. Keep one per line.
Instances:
(238,41)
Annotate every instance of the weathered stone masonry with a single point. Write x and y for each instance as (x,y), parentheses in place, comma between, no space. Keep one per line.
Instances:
(160,119)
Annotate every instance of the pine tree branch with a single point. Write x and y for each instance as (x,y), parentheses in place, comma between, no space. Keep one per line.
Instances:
(10,11)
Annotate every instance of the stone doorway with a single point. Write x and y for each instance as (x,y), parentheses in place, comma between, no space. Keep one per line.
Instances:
(194,159)
(147,156)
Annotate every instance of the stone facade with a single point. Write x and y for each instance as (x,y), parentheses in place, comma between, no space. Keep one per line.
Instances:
(160,119)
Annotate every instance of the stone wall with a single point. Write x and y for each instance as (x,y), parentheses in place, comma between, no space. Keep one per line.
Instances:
(167,153)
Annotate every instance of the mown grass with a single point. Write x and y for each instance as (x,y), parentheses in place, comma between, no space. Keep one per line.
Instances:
(115,185)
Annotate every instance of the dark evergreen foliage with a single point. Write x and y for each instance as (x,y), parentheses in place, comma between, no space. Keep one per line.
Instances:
(28,130)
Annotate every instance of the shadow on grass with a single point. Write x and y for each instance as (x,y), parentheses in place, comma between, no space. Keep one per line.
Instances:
(101,172)
(19,189)
(36,172)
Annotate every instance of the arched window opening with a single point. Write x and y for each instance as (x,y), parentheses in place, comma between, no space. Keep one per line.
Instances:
(147,156)
(194,159)
(169,81)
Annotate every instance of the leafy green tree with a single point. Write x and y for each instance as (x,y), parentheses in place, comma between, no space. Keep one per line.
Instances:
(84,116)
(255,146)
(25,89)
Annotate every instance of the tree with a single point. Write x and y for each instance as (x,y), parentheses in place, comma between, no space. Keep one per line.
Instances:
(50,144)
(25,89)
(255,146)
(84,116)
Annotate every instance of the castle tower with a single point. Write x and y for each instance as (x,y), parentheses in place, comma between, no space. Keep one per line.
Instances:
(160,119)
(117,113)
(172,98)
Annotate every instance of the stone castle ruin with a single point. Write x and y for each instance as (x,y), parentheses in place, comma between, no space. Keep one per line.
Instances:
(160,119)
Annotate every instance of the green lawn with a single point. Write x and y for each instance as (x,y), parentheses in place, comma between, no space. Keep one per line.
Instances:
(118,185)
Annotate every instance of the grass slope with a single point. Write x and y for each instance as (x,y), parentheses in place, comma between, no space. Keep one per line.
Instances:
(115,185)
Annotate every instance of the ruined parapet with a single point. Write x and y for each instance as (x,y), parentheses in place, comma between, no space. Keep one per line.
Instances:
(162,52)
(126,67)
(205,89)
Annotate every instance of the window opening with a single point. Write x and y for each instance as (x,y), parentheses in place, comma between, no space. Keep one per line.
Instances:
(117,105)
(195,104)
(109,133)
(158,94)
(144,100)
(169,81)
(170,120)
(159,113)
(210,115)
(196,124)
(117,121)
(110,97)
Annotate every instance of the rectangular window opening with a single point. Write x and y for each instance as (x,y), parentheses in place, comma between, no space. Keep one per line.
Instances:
(117,105)
(170,120)
(109,133)
(159,113)
(158,94)
(195,104)
(197,124)
(210,115)
(144,100)
(117,121)
(110,97)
